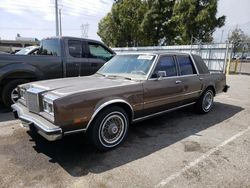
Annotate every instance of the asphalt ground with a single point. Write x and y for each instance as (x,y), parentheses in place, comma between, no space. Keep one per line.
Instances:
(179,149)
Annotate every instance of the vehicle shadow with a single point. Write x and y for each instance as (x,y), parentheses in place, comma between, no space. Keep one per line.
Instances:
(78,158)
(5,114)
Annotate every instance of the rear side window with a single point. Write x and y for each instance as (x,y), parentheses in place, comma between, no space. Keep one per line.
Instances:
(166,65)
(50,47)
(75,48)
(99,52)
(186,65)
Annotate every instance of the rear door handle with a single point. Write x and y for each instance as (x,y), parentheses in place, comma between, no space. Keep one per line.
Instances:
(201,78)
(178,81)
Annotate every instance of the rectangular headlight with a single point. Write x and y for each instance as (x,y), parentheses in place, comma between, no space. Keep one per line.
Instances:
(48,104)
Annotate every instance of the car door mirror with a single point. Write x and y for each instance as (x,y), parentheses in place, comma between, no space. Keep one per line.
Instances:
(161,74)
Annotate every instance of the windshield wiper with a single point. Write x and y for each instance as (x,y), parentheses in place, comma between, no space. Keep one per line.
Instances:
(115,76)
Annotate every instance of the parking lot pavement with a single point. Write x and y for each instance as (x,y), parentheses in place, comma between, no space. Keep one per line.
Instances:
(179,149)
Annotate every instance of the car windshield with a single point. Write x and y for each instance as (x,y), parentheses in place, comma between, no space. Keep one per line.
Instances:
(133,66)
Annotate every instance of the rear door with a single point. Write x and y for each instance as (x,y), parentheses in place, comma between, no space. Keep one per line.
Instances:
(77,63)
(192,85)
(166,92)
(98,55)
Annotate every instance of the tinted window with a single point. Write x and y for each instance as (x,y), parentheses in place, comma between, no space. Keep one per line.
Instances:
(167,67)
(186,65)
(98,51)
(200,65)
(50,47)
(75,48)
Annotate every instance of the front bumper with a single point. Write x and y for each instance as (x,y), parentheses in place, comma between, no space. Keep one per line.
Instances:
(35,122)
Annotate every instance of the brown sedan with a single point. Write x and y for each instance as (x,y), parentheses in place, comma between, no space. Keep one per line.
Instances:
(127,89)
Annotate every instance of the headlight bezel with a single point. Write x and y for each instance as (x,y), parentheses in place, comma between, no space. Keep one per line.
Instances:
(48,104)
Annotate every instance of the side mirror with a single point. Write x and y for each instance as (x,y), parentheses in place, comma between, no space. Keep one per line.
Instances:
(161,74)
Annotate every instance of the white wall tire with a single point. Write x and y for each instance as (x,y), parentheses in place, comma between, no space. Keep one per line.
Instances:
(109,129)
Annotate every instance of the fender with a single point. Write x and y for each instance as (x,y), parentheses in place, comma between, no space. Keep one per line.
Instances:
(20,68)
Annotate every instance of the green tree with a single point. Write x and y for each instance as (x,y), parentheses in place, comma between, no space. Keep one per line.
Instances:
(157,25)
(121,27)
(196,18)
(159,22)
(237,38)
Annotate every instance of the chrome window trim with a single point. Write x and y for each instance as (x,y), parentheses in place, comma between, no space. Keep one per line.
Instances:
(106,104)
(155,63)
(192,61)
(150,72)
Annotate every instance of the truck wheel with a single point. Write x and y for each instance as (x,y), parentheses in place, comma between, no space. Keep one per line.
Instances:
(109,128)
(9,93)
(205,102)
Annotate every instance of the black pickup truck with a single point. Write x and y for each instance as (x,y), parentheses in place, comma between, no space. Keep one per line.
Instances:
(57,57)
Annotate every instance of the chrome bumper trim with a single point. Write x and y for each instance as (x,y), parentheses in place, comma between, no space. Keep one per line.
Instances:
(45,128)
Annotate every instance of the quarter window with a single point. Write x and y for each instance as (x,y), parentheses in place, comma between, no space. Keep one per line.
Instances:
(75,48)
(99,52)
(186,65)
(166,67)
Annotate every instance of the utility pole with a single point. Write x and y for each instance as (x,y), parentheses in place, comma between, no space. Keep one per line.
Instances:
(56,13)
(60,22)
(222,32)
(84,30)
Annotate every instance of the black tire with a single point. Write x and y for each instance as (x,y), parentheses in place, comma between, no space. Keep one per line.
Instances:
(98,135)
(202,105)
(7,90)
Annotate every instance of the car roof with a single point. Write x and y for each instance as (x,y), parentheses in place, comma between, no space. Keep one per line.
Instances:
(152,52)
(69,37)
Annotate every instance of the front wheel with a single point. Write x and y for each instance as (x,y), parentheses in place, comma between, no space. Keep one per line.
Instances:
(109,128)
(10,93)
(205,102)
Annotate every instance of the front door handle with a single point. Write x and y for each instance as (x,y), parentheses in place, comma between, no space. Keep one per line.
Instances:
(178,81)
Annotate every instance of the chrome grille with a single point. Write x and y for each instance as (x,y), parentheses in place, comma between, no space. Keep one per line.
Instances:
(32,99)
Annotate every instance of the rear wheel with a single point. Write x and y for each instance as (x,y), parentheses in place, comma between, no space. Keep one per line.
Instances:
(10,93)
(109,128)
(205,102)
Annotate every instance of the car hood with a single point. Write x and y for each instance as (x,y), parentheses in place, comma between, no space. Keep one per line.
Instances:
(67,86)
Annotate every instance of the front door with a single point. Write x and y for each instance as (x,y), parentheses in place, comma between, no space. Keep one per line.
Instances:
(164,89)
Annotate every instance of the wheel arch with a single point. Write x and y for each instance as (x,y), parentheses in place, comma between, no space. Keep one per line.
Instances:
(212,87)
(114,102)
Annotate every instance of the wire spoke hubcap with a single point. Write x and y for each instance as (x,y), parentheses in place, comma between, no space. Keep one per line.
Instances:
(207,101)
(112,129)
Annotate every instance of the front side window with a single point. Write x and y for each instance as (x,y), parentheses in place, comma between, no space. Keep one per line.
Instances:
(50,47)
(99,52)
(75,48)
(186,66)
(166,67)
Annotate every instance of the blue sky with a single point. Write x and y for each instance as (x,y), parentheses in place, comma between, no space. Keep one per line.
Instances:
(33,18)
